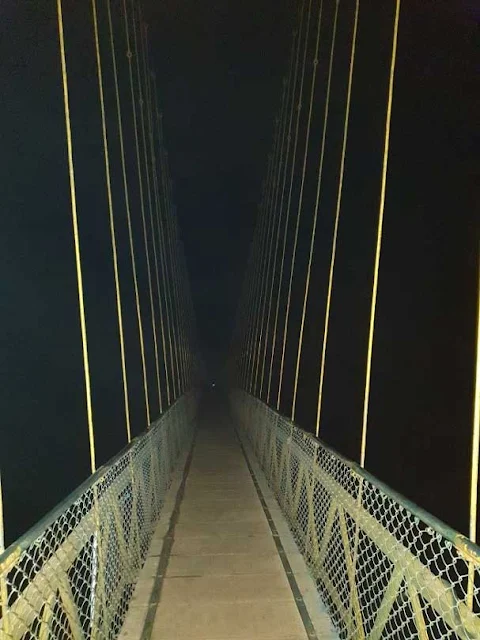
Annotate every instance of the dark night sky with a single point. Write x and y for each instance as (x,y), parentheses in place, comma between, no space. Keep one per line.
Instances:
(219,68)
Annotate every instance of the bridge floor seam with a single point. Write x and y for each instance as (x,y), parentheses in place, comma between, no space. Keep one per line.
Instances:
(297,595)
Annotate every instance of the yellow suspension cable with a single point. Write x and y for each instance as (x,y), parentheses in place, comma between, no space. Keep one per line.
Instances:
(276,234)
(287,215)
(238,341)
(319,184)
(135,104)
(280,187)
(243,338)
(337,219)
(249,306)
(172,271)
(268,250)
(185,316)
(76,238)
(167,300)
(153,203)
(127,207)
(168,240)
(252,300)
(299,108)
(249,369)
(476,429)
(167,262)
(173,298)
(261,276)
(379,238)
(183,309)
(475,455)
(157,207)
(176,294)
(162,246)
(160,229)
(112,223)
(253,303)
(257,268)
(264,256)
(177,289)
(190,322)
(185,312)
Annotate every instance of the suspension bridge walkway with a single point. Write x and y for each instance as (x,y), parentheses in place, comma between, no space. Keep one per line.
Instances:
(228,521)
(224,519)
(222,562)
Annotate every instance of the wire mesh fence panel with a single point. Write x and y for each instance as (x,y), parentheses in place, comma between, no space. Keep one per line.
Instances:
(383,567)
(72,576)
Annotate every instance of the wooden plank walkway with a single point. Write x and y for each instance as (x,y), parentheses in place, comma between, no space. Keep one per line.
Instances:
(220,577)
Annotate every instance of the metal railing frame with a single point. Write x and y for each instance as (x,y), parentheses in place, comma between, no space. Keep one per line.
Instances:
(73,573)
(342,516)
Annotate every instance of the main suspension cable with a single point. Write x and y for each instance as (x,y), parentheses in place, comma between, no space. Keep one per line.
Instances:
(269,213)
(127,207)
(249,300)
(295,44)
(475,451)
(476,426)
(113,240)
(275,228)
(317,198)
(378,248)
(259,277)
(289,294)
(337,219)
(135,104)
(76,240)
(278,212)
(148,102)
(255,286)
(161,235)
(170,249)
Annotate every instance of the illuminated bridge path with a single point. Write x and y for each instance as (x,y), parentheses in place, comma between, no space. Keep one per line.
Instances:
(222,562)
(224,519)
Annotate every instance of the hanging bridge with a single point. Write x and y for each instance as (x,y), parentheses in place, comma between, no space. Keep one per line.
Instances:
(224,518)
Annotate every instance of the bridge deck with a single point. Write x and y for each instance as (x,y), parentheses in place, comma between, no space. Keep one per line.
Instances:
(215,571)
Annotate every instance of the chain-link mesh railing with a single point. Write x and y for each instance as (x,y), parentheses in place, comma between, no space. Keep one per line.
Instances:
(383,567)
(72,575)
